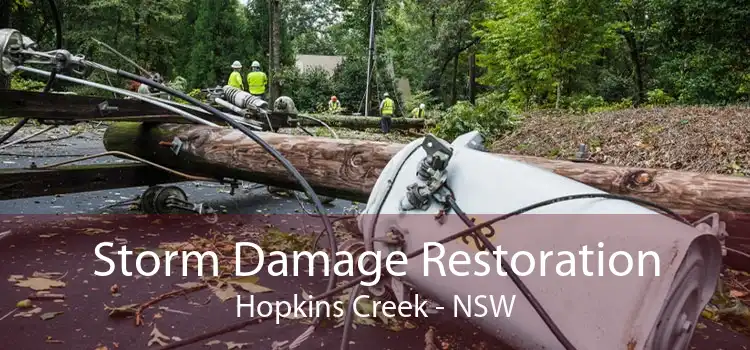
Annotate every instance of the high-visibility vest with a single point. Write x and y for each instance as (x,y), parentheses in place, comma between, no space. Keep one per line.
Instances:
(333,105)
(417,112)
(387,108)
(256,82)
(235,80)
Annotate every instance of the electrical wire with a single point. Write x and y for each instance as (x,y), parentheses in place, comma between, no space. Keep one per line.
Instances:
(130,156)
(21,140)
(272,151)
(135,95)
(48,87)
(467,231)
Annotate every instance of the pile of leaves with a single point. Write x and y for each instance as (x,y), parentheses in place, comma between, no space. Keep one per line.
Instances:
(701,139)
(729,304)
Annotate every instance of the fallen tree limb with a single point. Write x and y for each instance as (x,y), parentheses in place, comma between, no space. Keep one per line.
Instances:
(362,123)
(348,169)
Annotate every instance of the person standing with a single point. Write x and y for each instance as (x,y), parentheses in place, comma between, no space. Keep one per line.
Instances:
(386,113)
(235,79)
(257,81)
(418,112)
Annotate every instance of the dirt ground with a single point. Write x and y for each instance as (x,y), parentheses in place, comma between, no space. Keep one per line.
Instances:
(702,139)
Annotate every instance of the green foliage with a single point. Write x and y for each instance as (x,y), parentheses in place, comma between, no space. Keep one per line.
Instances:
(19,83)
(658,97)
(490,117)
(310,89)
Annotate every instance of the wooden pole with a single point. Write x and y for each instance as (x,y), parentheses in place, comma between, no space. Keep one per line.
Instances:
(348,169)
(354,165)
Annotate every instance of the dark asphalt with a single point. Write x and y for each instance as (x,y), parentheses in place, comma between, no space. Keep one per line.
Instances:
(44,234)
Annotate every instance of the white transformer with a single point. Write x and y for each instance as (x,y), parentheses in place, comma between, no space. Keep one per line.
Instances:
(638,310)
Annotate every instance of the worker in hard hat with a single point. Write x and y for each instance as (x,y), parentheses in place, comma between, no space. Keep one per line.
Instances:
(386,113)
(235,79)
(418,112)
(334,105)
(257,81)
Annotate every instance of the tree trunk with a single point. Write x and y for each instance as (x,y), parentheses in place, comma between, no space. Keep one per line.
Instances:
(275,59)
(472,76)
(348,169)
(353,166)
(4,23)
(362,123)
(454,89)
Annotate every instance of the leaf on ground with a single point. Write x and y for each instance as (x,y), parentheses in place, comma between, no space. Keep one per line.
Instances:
(29,313)
(91,231)
(248,283)
(121,311)
(737,294)
(190,285)
(15,278)
(24,304)
(232,345)
(212,343)
(224,292)
(157,338)
(50,275)
(49,235)
(102,347)
(50,315)
(40,283)
(50,340)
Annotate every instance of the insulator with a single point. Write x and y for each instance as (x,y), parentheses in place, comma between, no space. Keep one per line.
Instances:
(243,99)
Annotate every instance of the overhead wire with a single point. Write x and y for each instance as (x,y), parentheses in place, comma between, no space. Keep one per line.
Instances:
(50,81)
(467,231)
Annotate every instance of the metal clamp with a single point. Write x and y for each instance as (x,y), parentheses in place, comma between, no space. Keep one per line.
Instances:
(712,224)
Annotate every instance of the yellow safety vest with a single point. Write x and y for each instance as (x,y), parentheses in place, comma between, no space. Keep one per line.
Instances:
(256,82)
(334,105)
(387,107)
(235,80)
(417,112)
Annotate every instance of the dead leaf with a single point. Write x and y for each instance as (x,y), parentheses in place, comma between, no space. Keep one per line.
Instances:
(212,343)
(121,311)
(157,337)
(24,304)
(90,231)
(232,345)
(248,283)
(737,294)
(189,285)
(50,315)
(114,289)
(50,275)
(29,313)
(101,348)
(39,283)
(49,340)
(14,278)
(49,235)
(224,292)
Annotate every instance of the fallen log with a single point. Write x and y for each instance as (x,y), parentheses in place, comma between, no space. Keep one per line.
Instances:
(348,169)
(362,123)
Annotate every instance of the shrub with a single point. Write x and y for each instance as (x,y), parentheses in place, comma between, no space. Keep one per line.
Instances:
(490,116)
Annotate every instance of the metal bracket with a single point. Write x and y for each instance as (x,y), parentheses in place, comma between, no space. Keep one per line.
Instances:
(105,108)
(176,145)
(712,224)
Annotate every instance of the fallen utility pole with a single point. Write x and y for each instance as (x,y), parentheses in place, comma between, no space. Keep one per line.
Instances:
(348,169)
(362,123)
